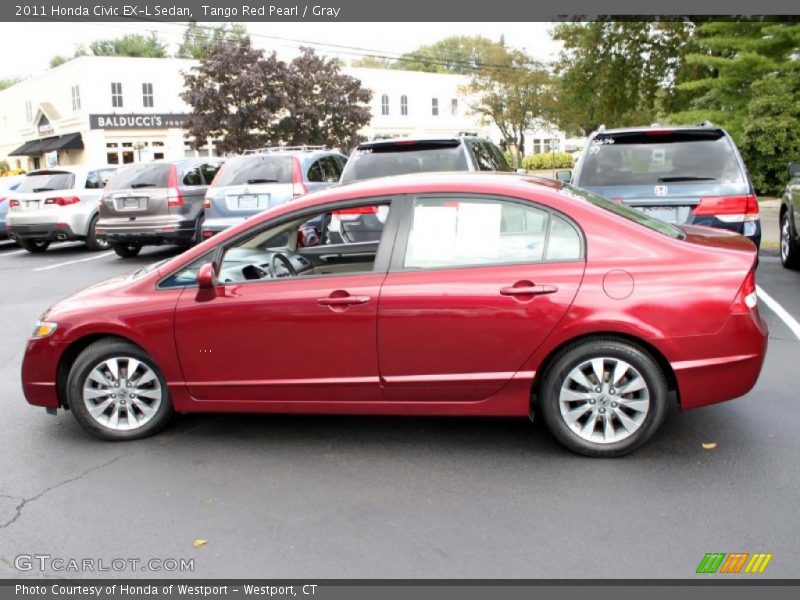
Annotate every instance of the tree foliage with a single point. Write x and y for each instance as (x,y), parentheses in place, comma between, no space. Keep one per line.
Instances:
(7,82)
(246,99)
(198,38)
(515,93)
(616,72)
(131,44)
(456,54)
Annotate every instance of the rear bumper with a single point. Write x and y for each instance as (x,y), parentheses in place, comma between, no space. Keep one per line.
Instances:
(216,225)
(130,232)
(722,366)
(47,231)
(749,229)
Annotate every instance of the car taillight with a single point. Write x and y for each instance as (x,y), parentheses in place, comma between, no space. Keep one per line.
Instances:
(13,203)
(728,209)
(298,187)
(62,201)
(747,298)
(208,234)
(206,203)
(174,196)
(355,211)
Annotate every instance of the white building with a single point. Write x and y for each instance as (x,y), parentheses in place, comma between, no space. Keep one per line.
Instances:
(122,110)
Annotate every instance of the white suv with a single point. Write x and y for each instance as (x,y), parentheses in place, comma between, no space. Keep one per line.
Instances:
(57,204)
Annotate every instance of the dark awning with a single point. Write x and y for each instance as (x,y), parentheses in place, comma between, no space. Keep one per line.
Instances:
(70,141)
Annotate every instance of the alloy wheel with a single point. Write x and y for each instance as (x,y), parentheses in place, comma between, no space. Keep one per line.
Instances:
(604,400)
(785,239)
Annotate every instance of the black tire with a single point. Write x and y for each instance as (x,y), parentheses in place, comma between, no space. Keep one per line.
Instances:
(93,242)
(34,246)
(126,250)
(91,357)
(580,352)
(198,230)
(790,252)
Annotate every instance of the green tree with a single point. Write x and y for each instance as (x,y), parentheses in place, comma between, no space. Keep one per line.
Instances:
(616,72)
(456,54)
(771,134)
(515,93)
(131,44)
(7,82)
(727,58)
(371,62)
(60,59)
(198,38)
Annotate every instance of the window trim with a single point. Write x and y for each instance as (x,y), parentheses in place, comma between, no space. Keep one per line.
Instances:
(146,95)
(434,107)
(404,105)
(115,95)
(382,257)
(385,105)
(406,207)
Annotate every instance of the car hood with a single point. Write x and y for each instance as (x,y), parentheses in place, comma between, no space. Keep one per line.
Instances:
(94,295)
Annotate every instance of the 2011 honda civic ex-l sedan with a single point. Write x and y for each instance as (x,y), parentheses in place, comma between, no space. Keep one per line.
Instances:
(485,294)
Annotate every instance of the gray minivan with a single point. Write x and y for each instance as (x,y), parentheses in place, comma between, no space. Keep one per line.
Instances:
(265,178)
(155,203)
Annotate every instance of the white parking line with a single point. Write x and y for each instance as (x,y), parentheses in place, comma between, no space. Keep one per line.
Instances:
(72,262)
(790,321)
(12,253)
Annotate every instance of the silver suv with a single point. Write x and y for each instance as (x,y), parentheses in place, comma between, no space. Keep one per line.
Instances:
(156,203)
(57,204)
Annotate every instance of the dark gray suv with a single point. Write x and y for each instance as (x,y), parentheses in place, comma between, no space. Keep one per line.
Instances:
(155,203)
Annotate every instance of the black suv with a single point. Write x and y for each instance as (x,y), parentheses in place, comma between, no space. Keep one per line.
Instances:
(462,152)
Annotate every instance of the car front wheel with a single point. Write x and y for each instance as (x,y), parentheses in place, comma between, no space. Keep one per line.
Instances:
(126,250)
(603,397)
(790,253)
(117,392)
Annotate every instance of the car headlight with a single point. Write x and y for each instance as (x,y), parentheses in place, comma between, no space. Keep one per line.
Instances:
(44,329)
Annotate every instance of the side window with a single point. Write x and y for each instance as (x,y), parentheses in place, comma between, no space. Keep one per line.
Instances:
(315,172)
(482,157)
(105,175)
(500,162)
(188,275)
(332,169)
(461,232)
(209,171)
(93,181)
(193,177)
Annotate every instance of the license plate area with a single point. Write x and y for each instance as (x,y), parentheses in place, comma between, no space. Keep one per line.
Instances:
(135,203)
(669,214)
(252,201)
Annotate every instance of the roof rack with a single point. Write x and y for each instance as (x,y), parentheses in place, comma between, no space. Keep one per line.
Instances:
(602,128)
(269,149)
(705,124)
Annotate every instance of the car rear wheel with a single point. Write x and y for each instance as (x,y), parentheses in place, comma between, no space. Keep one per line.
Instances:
(117,392)
(790,253)
(93,242)
(198,230)
(603,397)
(34,246)
(126,250)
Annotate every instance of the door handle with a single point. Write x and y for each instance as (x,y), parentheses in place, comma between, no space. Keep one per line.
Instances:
(528,290)
(342,300)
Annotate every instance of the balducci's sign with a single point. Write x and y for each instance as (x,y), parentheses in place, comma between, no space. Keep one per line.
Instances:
(134,121)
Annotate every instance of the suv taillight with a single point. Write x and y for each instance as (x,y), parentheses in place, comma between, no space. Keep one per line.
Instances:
(174,196)
(63,201)
(728,209)
(13,203)
(298,187)
(747,298)
(206,203)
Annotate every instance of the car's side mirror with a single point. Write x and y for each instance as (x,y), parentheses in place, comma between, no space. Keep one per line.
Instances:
(521,171)
(564,176)
(794,170)
(206,277)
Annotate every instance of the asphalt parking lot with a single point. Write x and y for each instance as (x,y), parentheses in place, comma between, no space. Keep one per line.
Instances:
(358,497)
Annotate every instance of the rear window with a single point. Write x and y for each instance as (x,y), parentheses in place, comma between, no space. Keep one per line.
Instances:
(383,160)
(46,182)
(623,211)
(659,157)
(154,175)
(255,169)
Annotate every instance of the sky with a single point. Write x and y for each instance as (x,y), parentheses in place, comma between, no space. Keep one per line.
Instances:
(23,58)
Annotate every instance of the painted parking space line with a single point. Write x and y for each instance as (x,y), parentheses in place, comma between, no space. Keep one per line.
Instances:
(781,312)
(72,262)
(12,253)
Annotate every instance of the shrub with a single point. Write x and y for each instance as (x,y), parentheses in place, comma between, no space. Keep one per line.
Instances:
(551,160)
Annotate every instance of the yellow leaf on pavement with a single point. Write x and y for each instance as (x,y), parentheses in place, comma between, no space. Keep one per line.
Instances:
(709,445)
(198,543)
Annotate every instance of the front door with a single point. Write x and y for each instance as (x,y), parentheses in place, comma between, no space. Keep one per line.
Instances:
(476,285)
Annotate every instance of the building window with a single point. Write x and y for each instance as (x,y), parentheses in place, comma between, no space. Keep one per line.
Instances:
(404,105)
(454,107)
(384,105)
(147,95)
(76,98)
(435,107)
(28,111)
(116,95)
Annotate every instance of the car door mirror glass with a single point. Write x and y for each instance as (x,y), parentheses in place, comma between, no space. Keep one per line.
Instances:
(564,176)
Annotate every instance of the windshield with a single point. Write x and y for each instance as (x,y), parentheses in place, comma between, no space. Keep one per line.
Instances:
(659,156)
(623,211)
(255,169)
(154,175)
(397,159)
(46,182)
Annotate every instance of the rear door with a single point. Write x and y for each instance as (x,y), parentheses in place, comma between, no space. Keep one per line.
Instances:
(476,284)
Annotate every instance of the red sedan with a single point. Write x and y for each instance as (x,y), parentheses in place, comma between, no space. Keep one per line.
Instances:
(442,294)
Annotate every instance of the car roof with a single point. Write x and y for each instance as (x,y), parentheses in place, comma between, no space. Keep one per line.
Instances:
(71,169)
(664,128)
